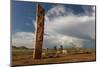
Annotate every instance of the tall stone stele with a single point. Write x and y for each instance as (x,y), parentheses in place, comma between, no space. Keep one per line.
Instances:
(39,32)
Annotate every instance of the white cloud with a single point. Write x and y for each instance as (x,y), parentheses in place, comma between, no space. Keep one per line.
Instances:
(89,10)
(66,28)
(23,39)
(67,41)
(62,27)
(93,8)
(57,11)
(72,25)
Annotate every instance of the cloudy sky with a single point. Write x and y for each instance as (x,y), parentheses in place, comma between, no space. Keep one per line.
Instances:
(65,24)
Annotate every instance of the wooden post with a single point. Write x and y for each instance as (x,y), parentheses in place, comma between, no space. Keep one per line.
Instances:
(39,32)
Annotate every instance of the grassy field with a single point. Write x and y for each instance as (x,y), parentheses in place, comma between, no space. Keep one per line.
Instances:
(25,56)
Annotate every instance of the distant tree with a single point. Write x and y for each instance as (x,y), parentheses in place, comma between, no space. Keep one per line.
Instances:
(61,47)
(73,45)
(23,47)
(13,46)
(55,47)
(47,49)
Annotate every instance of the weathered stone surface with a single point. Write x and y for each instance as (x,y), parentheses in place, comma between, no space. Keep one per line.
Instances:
(39,32)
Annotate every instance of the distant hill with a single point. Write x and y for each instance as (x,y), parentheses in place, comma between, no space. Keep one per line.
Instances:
(21,47)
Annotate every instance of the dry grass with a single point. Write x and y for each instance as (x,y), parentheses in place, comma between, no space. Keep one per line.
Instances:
(25,57)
